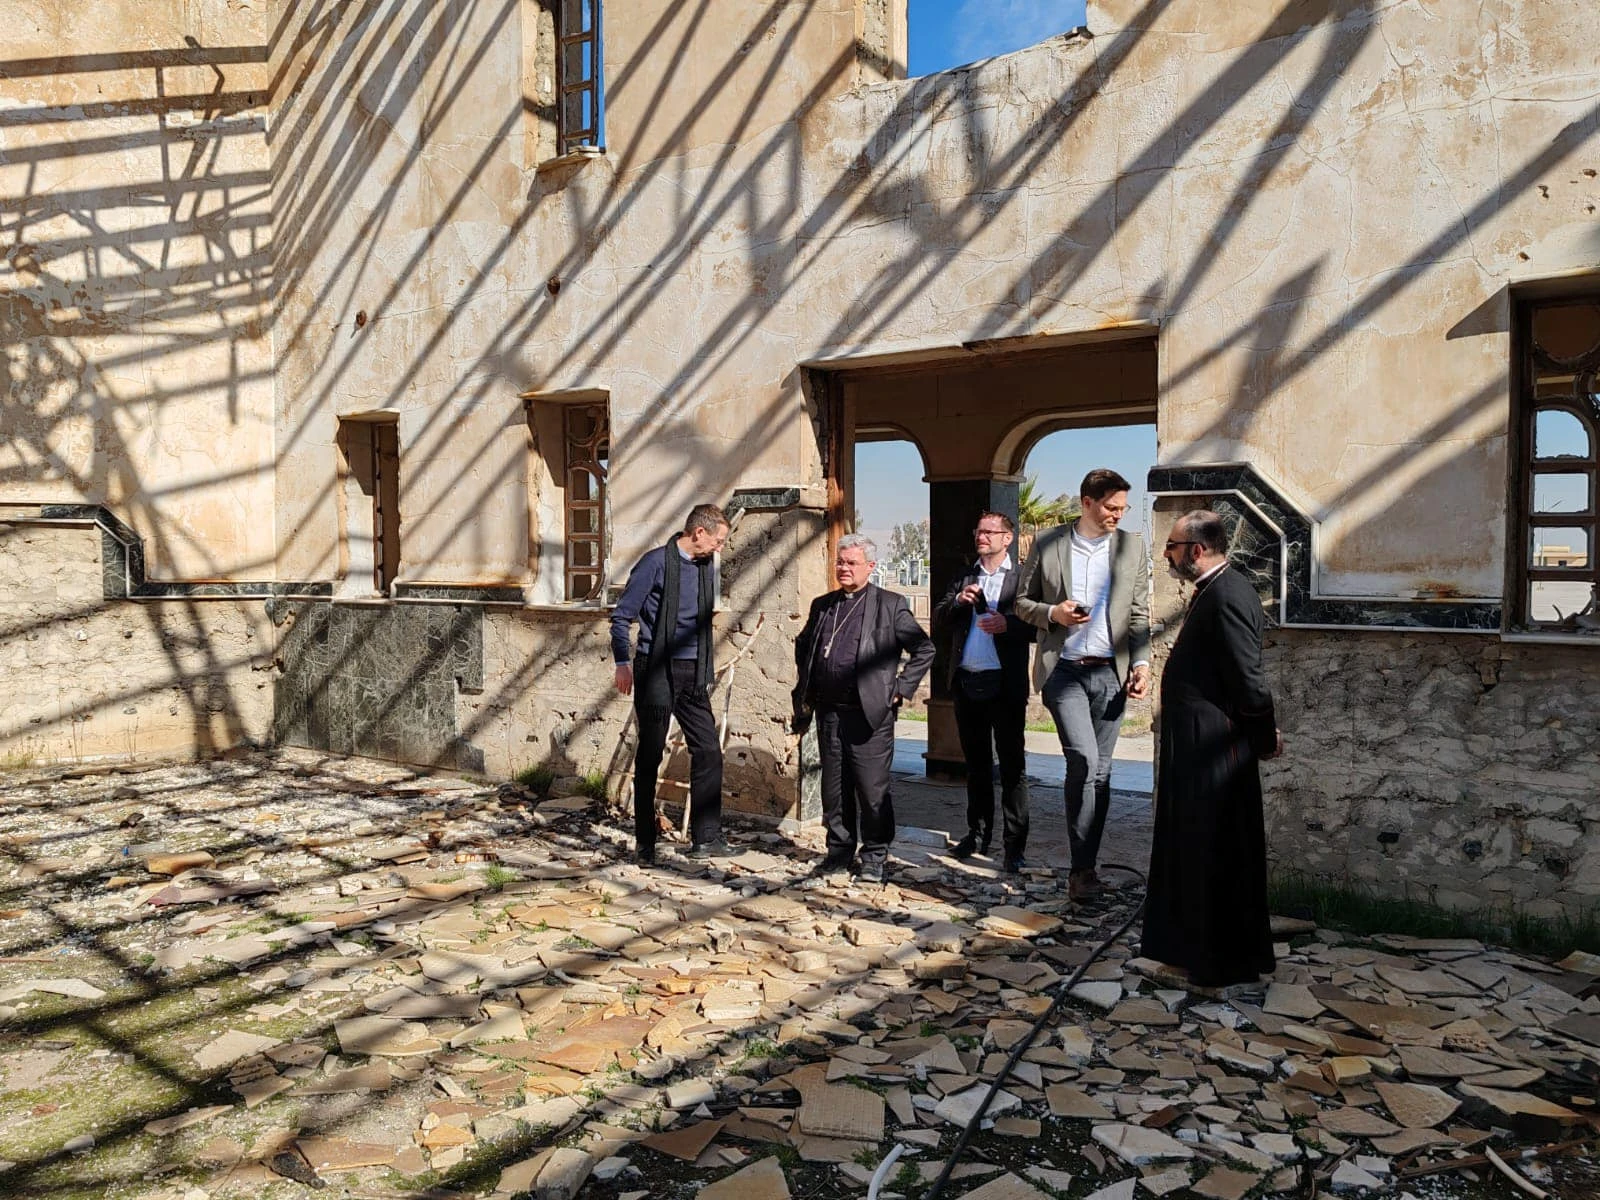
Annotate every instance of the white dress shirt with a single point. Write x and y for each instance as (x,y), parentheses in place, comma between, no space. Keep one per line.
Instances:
(979,653)
(1091,587)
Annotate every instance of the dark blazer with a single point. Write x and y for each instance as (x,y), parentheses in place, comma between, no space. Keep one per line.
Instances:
(952,622)
(887,630)
(1215,700)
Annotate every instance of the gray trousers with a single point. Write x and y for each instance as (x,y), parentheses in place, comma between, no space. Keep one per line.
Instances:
(1087,704)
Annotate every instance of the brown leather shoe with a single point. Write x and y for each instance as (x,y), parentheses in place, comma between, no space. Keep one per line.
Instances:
(1084,885)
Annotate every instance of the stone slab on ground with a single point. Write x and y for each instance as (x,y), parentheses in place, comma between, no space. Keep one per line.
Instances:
(1140,1147)
(761,1180)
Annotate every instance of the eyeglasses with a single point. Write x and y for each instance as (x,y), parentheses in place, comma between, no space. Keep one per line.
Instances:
(1170,545)
(990,532)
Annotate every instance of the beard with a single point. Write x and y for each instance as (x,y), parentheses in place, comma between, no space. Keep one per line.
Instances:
(1183,572)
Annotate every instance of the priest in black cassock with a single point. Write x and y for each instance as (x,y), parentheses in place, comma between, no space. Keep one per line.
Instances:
(1206,911)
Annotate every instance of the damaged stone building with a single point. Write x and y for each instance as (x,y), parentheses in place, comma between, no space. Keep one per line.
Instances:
(355,350)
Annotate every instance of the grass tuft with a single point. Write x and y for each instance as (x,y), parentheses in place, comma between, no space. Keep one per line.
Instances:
(1357,909)
(593,785)
(497,876)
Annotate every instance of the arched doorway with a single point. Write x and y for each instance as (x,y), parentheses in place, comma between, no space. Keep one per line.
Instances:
(976,412)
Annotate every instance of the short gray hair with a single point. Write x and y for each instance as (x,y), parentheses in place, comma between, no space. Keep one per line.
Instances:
(868,547)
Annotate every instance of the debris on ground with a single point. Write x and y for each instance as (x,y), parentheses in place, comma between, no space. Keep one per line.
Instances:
(313,974)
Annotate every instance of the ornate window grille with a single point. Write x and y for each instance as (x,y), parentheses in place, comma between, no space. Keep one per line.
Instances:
(587,429)
(1559,386)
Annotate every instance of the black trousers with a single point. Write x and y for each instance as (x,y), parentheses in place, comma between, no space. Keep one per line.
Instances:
(692,706)
(991,728)
(856,759)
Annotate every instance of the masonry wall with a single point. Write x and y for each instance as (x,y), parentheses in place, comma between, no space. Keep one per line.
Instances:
(90,679)
(1456,769)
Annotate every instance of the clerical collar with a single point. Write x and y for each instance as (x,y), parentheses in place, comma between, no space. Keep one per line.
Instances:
(1211,573)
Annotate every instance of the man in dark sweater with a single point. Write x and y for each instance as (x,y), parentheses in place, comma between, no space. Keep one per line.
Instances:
(670,594)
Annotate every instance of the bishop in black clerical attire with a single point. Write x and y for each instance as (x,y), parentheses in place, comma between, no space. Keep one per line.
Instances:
(1206,910)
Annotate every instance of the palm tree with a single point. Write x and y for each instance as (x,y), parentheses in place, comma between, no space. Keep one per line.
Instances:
(1034,513)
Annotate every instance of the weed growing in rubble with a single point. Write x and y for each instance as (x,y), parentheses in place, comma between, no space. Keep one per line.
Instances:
(497,876)
(593,785)
(908,1180)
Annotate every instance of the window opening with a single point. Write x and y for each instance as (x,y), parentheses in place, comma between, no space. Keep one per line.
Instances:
(1559,587)
(588,450)
(580,103)
(372,456)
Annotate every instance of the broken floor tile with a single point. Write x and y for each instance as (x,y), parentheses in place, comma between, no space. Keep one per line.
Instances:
(1138,1146)
(1006,1187)
(1075,1104)
(761,1180)
(1225,1183)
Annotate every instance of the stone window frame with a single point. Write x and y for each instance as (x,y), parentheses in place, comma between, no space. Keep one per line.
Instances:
(368,472)
(564,451)
(1556,370)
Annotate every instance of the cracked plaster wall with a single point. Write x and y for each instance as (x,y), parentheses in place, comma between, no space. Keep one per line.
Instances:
(1320,203)
(135,261)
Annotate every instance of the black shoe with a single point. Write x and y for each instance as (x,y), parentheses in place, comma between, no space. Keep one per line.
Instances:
(870,873)
(965,848)
(716,849)
(645,856)
(1016,864)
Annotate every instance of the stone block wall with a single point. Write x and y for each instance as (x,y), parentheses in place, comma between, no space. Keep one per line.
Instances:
(1453,768)
(90,678)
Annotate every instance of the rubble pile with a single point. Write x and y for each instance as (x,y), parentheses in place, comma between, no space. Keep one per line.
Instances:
(291,972)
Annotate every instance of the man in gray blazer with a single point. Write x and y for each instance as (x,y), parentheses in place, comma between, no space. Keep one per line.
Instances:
(1086,584)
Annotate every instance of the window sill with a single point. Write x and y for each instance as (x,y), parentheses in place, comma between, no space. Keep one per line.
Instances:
(572,158)
(1551,638)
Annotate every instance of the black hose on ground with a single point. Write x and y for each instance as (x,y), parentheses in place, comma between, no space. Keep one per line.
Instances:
(1032,1035)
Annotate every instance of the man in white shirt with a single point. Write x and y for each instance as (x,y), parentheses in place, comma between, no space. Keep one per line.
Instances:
(986,645)
(1086,584)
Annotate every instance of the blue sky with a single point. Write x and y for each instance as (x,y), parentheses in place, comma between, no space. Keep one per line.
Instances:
(948,33)
(889,487)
